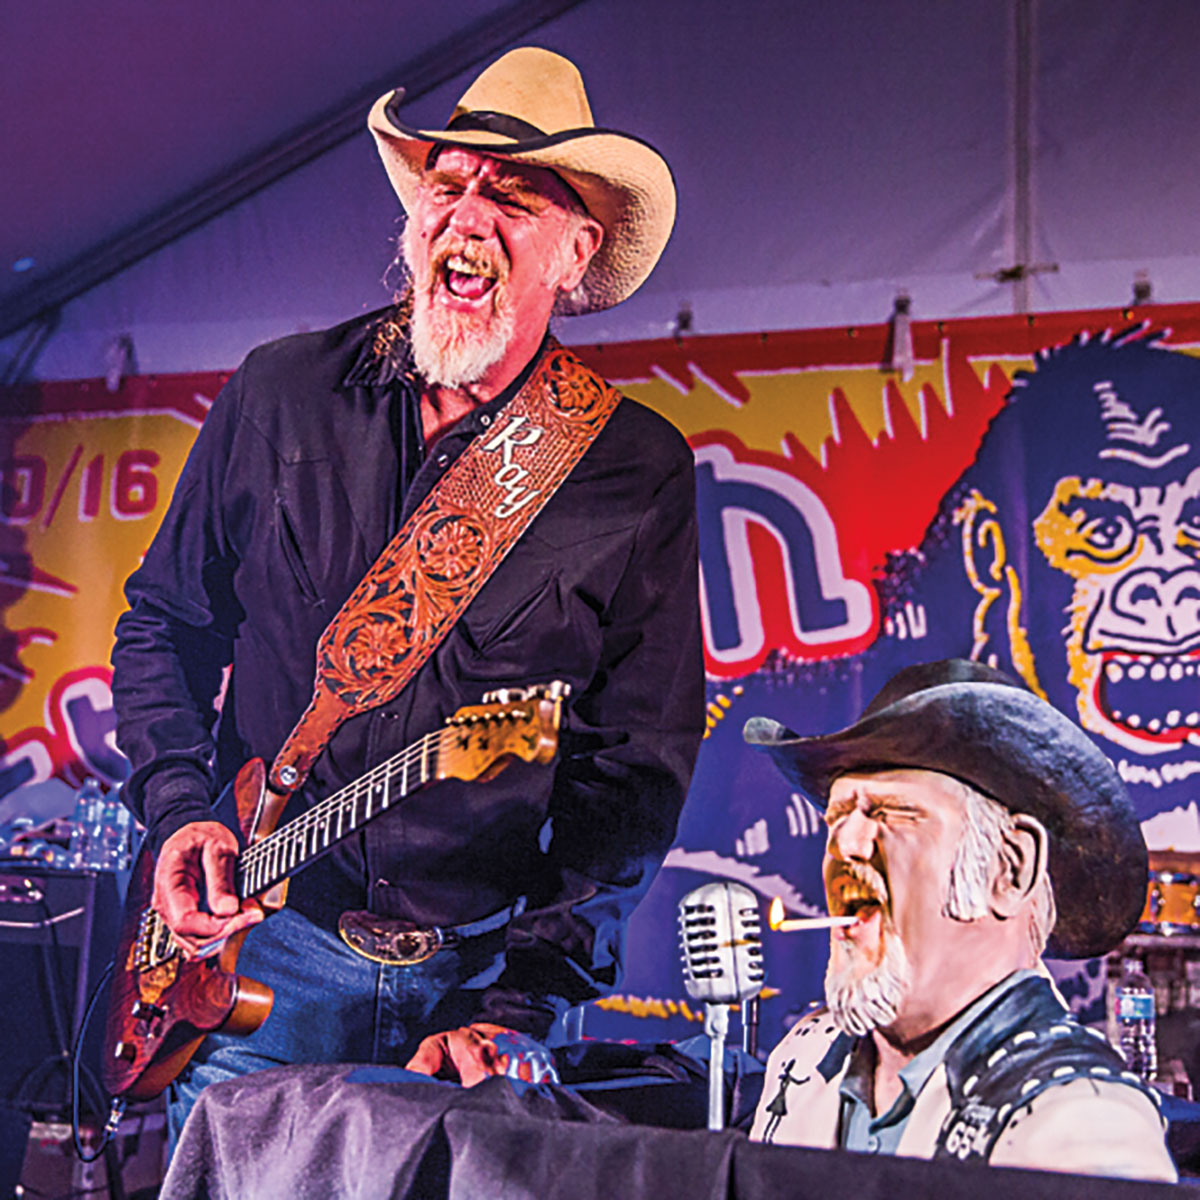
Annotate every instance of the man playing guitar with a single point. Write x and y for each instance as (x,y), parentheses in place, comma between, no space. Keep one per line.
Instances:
(319,451)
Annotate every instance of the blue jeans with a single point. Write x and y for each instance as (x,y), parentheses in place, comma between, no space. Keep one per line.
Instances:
(333,1005)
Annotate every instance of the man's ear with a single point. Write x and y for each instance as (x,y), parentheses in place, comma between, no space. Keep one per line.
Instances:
(588,235)
(1021,865)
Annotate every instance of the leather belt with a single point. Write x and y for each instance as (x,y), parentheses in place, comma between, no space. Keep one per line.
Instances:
(399,943)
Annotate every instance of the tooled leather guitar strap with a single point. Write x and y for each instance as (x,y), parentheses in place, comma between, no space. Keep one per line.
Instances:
(432,569)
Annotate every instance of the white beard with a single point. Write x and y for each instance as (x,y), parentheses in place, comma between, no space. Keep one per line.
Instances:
(454,349)
(860,1003)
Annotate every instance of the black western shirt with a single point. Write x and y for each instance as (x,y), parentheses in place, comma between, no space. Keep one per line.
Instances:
(305,468)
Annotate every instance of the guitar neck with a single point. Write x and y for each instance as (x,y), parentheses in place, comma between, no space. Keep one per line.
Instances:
(273,858)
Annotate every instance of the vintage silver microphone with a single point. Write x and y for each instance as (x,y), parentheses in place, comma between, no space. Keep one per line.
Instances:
(720,938)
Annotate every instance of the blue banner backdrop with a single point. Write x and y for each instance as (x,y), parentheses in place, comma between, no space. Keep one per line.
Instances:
(1025,491)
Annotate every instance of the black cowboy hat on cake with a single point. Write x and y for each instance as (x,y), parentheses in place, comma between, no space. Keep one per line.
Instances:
(977,724)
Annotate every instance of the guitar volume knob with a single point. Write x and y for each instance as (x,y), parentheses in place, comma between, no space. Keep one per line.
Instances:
(125,1051)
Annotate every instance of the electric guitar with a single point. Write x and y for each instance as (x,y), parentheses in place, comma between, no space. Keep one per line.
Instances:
(162,1004)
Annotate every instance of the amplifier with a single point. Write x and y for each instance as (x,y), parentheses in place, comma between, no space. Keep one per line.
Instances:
(58,931)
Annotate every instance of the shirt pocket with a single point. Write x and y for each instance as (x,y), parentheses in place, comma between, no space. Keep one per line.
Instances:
(289,545)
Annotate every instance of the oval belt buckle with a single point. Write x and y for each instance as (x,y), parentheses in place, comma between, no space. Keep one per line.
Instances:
(388,940)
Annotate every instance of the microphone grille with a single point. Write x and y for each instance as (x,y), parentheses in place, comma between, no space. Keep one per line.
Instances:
(720,939)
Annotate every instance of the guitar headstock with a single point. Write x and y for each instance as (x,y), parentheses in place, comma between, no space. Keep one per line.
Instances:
(482,739)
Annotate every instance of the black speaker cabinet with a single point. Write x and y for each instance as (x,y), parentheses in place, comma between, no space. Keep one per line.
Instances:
(58,930)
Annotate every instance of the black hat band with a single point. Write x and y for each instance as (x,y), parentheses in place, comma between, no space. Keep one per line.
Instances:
(494,122)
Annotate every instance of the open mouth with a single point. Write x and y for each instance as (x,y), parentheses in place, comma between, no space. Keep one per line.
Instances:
(850,896)
(1152,696)
(466,279)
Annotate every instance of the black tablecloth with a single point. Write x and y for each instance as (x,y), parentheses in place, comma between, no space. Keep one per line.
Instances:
(340,1131)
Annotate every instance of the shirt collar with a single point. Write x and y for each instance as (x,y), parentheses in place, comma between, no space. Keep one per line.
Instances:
(915,1074)
(384,356)
(857,1083)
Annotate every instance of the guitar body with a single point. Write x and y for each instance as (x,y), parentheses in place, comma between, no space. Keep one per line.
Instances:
(162,1005)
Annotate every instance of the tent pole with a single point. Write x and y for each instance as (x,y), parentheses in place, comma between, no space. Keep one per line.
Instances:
(1023,134)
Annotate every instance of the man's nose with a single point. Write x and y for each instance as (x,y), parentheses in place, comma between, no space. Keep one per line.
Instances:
(854,836)
(472,216)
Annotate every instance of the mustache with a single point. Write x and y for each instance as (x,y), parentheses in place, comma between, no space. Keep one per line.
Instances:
(403,276)
(862,873)
(486,260)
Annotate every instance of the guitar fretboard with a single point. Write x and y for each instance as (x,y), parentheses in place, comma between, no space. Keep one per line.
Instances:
(269,861)
(272,859)
(505,729)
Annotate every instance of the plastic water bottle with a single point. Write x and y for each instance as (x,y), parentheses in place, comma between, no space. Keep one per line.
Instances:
(1135,1020)
(85,823)
(112,851)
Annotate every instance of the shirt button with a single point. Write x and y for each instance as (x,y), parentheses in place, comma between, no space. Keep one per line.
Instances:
(443,459)
(873,1143)
(485,420)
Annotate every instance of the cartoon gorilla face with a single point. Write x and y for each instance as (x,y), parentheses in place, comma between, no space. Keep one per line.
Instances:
(1133,639)
(1082,511)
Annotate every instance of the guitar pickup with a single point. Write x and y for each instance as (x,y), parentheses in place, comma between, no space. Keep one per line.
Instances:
(143,1010)
(557,689)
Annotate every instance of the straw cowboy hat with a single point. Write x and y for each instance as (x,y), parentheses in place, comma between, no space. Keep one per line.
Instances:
(530,106)
(978,725)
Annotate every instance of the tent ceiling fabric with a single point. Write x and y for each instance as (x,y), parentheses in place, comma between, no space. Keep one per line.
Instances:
(827,156)
(220,107)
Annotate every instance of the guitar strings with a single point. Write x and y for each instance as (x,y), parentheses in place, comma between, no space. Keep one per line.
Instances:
(293,838)
(426,748)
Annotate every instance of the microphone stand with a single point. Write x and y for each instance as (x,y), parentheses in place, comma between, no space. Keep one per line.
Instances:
(750,1026)
(716,1025)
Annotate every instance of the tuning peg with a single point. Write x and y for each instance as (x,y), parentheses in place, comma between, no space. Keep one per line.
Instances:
(557,689)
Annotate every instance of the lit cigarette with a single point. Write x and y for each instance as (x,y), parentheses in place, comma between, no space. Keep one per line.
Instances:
(781,924)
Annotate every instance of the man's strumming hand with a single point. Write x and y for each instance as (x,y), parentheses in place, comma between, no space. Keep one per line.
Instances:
(197,862)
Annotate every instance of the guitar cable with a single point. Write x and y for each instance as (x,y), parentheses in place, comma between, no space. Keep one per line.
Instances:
(116,1103)
(105,1146)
